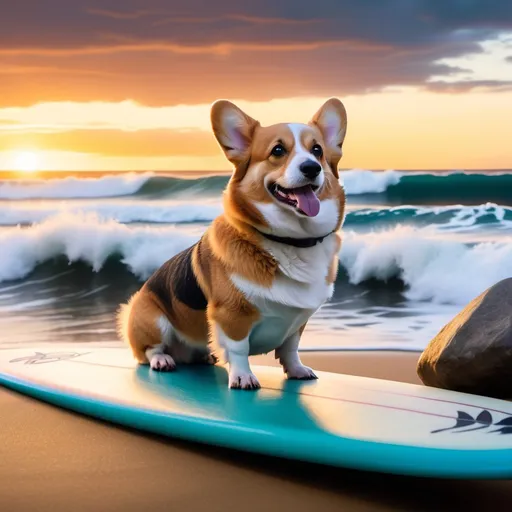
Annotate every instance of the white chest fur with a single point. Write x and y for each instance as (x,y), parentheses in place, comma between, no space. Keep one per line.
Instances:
(297,292)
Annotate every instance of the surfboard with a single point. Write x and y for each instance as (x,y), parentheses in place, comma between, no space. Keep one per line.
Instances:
(338,420)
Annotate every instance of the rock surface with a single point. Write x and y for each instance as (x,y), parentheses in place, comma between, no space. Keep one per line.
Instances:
(473,352)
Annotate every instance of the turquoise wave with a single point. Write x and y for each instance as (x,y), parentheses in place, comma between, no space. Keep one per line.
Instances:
(449,189)
(391,188)
(455,217)
(372,187)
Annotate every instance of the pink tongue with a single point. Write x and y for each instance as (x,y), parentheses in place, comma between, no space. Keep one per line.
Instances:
(307,200)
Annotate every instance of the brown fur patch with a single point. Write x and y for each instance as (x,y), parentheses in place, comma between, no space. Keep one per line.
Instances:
(240,206)
(191,323)
(138,324)
(201,258)
(333,190)
(234,317)
(226,305)
(334,266)
(241,253)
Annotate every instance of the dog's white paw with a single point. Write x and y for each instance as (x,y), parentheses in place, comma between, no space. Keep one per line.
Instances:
(300,372)
(162,363)
(241,380)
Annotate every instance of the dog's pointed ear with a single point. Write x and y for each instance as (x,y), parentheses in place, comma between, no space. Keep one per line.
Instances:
(331,120)
(233,129)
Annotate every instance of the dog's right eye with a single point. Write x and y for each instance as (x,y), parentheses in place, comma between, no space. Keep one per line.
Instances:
(278,150)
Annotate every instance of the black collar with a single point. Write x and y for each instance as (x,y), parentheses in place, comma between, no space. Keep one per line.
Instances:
(296,242)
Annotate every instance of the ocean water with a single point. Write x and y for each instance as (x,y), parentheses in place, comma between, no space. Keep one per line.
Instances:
(417,248)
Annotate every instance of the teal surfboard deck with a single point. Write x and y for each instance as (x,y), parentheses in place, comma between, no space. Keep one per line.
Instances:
(338,420)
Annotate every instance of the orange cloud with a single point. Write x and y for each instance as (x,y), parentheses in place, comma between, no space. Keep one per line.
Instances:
(121,15)
(256,20)
(246,18)
(42,70)
(160,78)
(146,143)
(221,48)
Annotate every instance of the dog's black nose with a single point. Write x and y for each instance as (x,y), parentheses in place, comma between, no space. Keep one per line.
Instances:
(310,169)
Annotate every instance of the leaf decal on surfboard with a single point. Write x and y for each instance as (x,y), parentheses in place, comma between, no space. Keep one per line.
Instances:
(51,357)
(484,420)
(484,417)
(507,422)
(463,420)
(504,430)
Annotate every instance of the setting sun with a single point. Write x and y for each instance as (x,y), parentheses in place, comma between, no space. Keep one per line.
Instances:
(26,161)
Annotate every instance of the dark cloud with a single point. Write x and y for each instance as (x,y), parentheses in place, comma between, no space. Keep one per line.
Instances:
(156,79)
(508,59)
(470,13)
(197,51)
(471,85)
(120,15)
(397,22)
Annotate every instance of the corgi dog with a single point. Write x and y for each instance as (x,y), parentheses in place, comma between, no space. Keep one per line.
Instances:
(264,266)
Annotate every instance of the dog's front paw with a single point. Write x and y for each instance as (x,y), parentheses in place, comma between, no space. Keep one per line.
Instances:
(300,372)
(239,380)
(162,363)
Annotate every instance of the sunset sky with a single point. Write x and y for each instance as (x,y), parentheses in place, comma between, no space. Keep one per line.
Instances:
(127,85)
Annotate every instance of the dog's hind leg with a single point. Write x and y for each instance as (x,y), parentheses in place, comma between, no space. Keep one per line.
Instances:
(158,356)
(288,355)
(147,330)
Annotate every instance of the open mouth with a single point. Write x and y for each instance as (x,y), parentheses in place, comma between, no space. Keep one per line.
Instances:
(303,199)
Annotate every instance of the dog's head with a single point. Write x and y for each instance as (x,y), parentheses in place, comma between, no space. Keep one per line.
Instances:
(286,179)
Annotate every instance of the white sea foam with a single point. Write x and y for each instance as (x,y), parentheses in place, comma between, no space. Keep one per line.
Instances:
(123,184)
(452,218)
(360,181)
(124,211)
(456,218)
(467,217)
(436,269)
(92,240)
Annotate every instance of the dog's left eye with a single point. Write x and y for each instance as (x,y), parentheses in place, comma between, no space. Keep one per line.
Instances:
(317,150)
(278,150)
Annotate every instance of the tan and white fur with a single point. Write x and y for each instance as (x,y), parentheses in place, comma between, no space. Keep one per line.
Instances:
(250,285)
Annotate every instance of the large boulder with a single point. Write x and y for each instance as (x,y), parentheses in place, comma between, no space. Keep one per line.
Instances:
(473,352)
